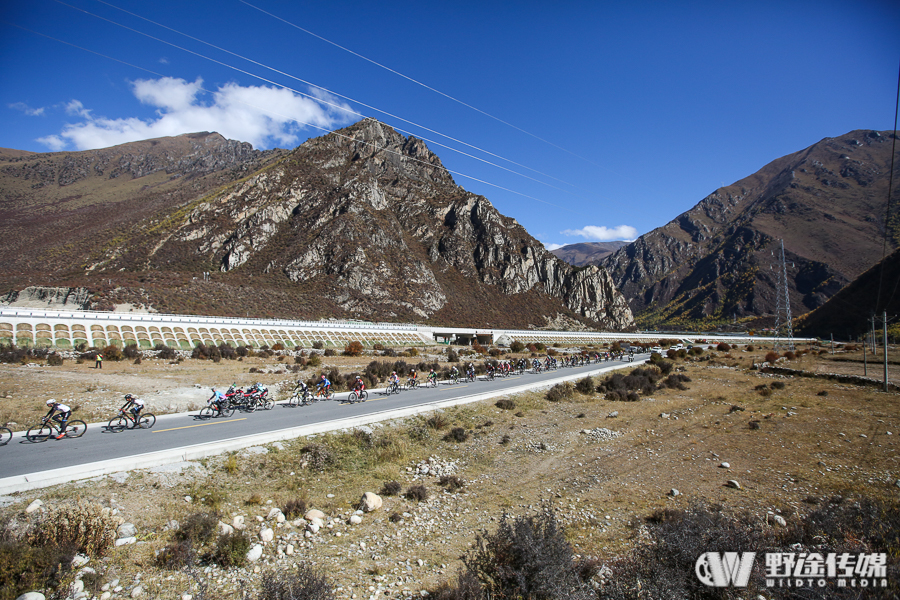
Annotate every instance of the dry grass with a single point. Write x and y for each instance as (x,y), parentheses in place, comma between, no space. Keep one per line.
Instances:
(784,449)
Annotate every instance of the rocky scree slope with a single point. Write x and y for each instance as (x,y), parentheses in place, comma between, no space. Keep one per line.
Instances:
(721,258)
(372,223)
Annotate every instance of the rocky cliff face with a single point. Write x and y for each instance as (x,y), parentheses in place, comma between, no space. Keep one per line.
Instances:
(375,219)
(720,259)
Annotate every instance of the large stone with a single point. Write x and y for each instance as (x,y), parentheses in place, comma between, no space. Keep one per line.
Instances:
(370,502)
(35,505)
(225,528)
(126,541)
(254,553)
(355,519)
(273,513)
(266,535)
(238,522)
(733,483)
(126,530)
(31,596)
(313,527)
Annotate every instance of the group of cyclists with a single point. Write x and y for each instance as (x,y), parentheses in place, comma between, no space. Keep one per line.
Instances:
(225,403)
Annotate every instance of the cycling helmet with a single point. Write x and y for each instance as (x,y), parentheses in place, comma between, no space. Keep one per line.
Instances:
(128,396)
(51,402)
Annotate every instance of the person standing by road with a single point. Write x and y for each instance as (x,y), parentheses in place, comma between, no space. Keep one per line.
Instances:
(99,363)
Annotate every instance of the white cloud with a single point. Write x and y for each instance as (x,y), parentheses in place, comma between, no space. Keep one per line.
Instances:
(552,247)
(261,115)
(605,234)
(31,112)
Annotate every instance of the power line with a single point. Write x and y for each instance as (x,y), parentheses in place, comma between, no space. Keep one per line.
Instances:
(887,218)
(417,82)
(295,120)
(339,95)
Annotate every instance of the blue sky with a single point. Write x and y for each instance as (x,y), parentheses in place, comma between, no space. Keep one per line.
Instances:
(606,119)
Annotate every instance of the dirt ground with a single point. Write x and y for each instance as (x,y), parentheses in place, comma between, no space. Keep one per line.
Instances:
(788,446)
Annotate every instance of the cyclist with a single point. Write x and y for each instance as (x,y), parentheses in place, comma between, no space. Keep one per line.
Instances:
(394,378)
(217,400)
(432,377)
(413,378)
(470,371)
(324,385)
(454,373)
(301,387)
(62,415)
(135,404)
(359,385)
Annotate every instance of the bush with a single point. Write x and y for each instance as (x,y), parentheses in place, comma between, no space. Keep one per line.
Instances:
(318,344)
(330,352)
(198,529)
(112,352)
(83,526)
(528,557)
(585,385)
(478,348)
(517,346)
(294,508)
(25,568)
(560,391)
(457,434)
(302,583)
(777,385)
(316,456)
(165,352)
(390,488)
(505,404)
(771,356)
(451,482)
(723,347)
(314,361)
(675,381)
(418,492)
(437,421)
(231,549)
(131,351)
(790,355)
(452,356)
(353,349)
(55,360)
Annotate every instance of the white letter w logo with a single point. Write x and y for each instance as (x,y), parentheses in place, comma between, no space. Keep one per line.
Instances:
(721,570)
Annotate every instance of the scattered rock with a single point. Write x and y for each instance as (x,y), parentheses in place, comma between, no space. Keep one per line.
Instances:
(31,596)
(780,520)
(370,502)
(225,528)
(80,560)
(126,530)
(289,550)
(254,553)
(732,483)
(238,522)
(674,492)
(35,505)
(266,535)
(355,519)
(137,591)
(126,541)
(724,465)
(601,434)
(613,414)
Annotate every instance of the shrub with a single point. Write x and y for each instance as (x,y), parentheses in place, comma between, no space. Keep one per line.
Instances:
(465,587)
(790,355)
(329,352)
(353,349)
(390,488)
(316,456)
(165,352)
(457,434)
(302,583)
(55,360)
(585,385)
(131,351)
(517,346)
(418,492)
(198,529)
(675,381)
(478,348)
(83,526)
(505,404)
(750,348)
(318,344)
(231,549)
(112,352)
(560,391)
(24,568)
(723,347)
(314,361)
(294,508)
(452,356)
(671,354)
(437,421)
(771,356)
(412,352)
(528,557)
(176,555)
(451,482)
(777,385)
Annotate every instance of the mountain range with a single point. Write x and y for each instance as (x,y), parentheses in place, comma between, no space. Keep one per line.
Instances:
(720,261)
(587,253)
(360,223)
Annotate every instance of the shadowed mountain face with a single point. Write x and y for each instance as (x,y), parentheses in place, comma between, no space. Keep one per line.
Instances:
(359,223)
(720,259)
(587,253)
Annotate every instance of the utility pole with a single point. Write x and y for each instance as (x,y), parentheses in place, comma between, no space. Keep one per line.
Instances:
(783,322)
(865,362)
(832,344)
(884,321)
(874,342)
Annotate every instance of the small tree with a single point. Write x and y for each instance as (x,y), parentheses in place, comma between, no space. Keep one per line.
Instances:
(353,349)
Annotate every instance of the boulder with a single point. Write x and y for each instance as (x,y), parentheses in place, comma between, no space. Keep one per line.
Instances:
(238,522)
(732,483)
(225,528)
(370,502)
(254,553)
(267,535)
(126,530)
(35,505)
(355,519)
(31,596)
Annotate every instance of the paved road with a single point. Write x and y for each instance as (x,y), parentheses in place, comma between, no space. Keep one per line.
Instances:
(21,457)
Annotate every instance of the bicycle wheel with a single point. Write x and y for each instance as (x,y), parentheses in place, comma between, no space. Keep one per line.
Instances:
(147,421)
(5,435)
(118,424)
(294,400)
(329,395)
(363,396)
(75,429)
(269,405)
(206,412)
(226,411)
(352,398)
(39,433)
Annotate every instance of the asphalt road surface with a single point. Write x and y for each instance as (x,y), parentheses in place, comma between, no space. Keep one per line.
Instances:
(21,457)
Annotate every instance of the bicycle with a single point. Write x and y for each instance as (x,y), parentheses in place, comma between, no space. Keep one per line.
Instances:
(393,387)
(50,427)
(360,396)
(325,394)
(432,382)
(454,379)
(412,384)
(126,420)
(213,410)
(5,435)
(301,398)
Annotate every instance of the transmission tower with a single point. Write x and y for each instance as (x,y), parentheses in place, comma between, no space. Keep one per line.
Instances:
(784,328)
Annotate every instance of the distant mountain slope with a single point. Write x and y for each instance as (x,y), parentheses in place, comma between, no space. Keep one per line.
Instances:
(718,260)
(361,223)
(587,253)
(845,314)
(58,208)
